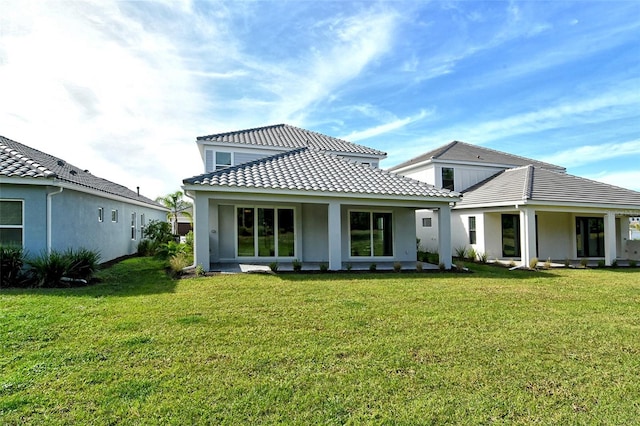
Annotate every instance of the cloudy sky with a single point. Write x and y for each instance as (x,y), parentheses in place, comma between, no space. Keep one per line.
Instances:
(123,88)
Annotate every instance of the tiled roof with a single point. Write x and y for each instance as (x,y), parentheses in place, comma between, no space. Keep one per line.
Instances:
(461,151)
(20,161)
(306,169)
(290,137)
(537,184)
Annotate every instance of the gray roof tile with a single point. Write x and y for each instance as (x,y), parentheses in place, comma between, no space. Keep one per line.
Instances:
(20,161)
(290,137)
(307,169)
(537,184)
(461,151)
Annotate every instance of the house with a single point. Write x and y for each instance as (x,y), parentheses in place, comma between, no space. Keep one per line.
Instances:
(48,204)
(282,193)
(519,208)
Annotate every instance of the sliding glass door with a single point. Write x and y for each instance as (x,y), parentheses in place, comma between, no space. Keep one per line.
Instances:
(265,232)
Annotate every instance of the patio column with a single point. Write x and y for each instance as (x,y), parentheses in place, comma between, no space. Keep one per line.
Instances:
(201,231)
(334,228)
(609,238)
(444,235)
(527,235)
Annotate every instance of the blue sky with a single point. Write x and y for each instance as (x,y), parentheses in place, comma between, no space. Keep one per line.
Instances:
(124,88)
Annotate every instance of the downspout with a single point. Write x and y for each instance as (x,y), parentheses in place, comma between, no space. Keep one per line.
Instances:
(49,196)
(194,264)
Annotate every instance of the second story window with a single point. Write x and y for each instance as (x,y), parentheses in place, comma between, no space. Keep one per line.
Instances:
(447,178)
(223,159)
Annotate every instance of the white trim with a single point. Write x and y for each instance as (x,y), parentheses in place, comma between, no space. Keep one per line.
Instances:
(50,218)
(22,218)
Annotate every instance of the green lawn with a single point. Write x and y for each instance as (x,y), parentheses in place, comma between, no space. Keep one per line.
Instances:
(559,346)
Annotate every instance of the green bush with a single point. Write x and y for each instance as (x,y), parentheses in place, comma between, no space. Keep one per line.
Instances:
(158,232)
(397,266)
(461,252)
(633,263)
(48,270)
(146,248)
(274,266)
(83,263)
(11,263)
(373,267)
(324,267)
(297,265)
(200,271)
(472,254)
(178,262)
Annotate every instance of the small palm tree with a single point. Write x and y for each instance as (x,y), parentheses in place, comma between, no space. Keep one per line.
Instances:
(177,206)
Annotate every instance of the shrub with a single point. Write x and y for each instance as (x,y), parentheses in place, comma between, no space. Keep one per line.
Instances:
(441,266)
(397,266)
(11,263)
(145,248)
(614,264)
(461,252)
(483,257)
(633,263)
(47,270)
(373,267)
(273,266)
(297,265)
(533,263)
(200,270)
(419,266)
(324,267)
(158,232)
(83,263)
(566,262)
(433,258)
(349,266)
(601,263)
(472,254)
(584,262)
(178,262)
(547,263)
(459,266)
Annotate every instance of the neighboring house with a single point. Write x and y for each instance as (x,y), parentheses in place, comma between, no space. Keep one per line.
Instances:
(281,193)
(47,204)
(634,228)
(518,208)
(185,223)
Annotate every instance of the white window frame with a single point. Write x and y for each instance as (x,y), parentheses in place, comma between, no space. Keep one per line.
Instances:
(21,226)
(255,235)
(100,214)
(114,215)
(215,166)
(143,224)
(371,255)
(427,222)
(133,226)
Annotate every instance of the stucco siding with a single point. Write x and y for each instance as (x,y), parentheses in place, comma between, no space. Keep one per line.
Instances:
(226,232)
(315,235)
(428,235)
(555,235)
(74,224)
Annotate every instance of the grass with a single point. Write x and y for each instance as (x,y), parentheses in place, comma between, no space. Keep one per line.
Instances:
(495,346)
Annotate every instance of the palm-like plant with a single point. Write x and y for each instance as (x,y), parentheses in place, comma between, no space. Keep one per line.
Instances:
(177,206)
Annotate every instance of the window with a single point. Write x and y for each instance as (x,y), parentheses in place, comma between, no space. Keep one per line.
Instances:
(472,229)
(447,178)
(267,232)
(590,236)
(426,222)
(11,222)
(100,214)
(133,226)
(511,235)
(143,223)
(114,215)
(223,160)
(370,234)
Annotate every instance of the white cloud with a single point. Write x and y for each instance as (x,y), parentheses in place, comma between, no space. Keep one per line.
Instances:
(626,179)
(384,128)
(590,154)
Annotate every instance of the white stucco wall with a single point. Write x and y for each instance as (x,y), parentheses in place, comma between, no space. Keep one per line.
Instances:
(315,237)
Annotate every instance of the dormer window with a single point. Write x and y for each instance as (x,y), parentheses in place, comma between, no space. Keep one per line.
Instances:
(216,160)
(223,160)
(447,178)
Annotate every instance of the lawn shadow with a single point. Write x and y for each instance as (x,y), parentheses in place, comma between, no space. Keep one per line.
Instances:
(474,272)
(136,276)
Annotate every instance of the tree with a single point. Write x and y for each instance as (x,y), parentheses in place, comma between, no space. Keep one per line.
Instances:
(177,206)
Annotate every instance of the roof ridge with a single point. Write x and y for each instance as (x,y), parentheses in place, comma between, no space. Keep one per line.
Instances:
(235,132)
(528,183)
